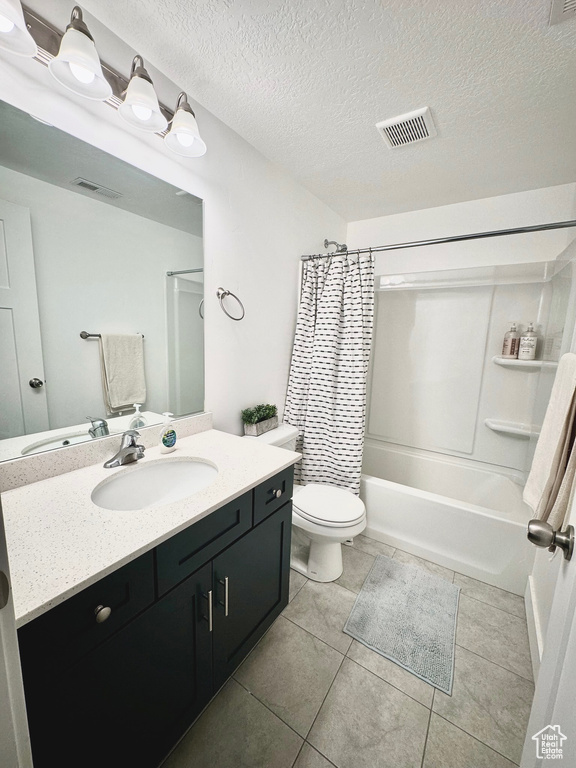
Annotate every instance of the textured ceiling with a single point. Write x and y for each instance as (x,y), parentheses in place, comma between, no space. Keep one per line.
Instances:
(305,81)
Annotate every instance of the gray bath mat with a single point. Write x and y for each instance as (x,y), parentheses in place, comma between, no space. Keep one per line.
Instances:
(409,616)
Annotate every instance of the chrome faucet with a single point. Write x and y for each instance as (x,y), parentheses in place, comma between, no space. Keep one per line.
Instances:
(99,427)
(129,450)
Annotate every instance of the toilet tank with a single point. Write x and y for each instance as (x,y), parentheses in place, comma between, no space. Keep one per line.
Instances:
(284,436)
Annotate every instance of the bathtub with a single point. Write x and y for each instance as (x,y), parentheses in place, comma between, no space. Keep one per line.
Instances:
(466,516)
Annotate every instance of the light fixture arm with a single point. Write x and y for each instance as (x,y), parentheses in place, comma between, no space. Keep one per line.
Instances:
(77,22)
(138,69)
(182,103)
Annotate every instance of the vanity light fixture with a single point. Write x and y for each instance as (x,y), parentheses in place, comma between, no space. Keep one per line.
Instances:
(140,107)
(14,34)
(183,138)
(77,65)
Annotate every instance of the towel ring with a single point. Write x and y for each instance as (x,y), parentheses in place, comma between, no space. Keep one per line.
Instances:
(200,309)
(222,293)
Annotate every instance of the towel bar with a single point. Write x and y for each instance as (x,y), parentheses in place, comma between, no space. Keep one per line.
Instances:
(86,335)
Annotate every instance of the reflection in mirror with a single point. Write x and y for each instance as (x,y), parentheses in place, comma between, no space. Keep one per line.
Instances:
(90,243)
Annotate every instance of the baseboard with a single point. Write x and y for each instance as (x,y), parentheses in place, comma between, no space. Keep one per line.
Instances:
(534,627)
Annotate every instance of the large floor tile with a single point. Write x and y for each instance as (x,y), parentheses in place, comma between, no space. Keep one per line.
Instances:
(290,671)
(297,581)
(310,758)
(438,570)
(450,747)
(357,566)
(499,598)
(366,723)
(392,673)
(323,609)
(373,547)
(488,702)
(495,635)
(236,730)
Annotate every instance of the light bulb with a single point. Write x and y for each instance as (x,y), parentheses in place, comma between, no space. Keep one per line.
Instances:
(5,24)
(81,74)
(142,113)
(185,139)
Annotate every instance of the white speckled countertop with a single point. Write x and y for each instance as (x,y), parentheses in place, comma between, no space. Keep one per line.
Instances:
(60,542)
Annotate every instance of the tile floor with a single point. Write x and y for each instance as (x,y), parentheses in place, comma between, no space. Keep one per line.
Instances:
(309,696)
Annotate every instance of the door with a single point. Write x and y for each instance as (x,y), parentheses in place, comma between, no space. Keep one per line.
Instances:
(251,589)
(553,715)
(23,408)
(14,741)
(127,702)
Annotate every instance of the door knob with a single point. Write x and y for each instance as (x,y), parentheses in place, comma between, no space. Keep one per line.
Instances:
(543,535)
(36,383)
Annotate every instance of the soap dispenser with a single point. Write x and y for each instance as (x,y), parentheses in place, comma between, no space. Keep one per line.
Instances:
(168,437)
(511,343)
(528,340)
(137,419)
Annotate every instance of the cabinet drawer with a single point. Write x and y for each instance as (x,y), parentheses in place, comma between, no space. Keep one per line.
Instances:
(272,494)
(184,553)
(70,630)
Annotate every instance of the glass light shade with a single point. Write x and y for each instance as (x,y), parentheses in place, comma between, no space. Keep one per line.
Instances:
(77,67)
(140,107)
(14,35)
(183,138)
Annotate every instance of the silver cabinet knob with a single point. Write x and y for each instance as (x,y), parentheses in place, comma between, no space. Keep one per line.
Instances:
(102,613)
(277,493)
(4,590)
(36,383)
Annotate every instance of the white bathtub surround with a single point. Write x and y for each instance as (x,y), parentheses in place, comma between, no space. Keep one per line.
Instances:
(462,515)
(547,490)
(60,542)
(326,397)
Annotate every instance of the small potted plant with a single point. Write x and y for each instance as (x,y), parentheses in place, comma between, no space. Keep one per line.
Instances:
(260,419)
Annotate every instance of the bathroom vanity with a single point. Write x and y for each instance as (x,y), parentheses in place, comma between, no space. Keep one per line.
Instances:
(116,673)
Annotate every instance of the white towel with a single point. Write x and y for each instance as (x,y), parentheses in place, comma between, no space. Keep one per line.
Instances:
(549,480)
(122,363)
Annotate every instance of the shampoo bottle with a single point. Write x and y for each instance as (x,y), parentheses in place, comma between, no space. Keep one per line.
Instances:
(527,349)
(168,437)
(511,342)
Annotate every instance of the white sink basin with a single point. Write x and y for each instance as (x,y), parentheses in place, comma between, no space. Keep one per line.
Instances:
(154,484)
(71,438)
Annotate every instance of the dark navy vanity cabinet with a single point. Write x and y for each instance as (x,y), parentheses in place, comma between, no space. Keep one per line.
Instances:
(116,674)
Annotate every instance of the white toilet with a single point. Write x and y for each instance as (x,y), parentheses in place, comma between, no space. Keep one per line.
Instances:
(323,518)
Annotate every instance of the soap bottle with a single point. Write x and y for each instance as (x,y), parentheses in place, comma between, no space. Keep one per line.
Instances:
(511,340)
(137,419)
(527,348)
(168,437)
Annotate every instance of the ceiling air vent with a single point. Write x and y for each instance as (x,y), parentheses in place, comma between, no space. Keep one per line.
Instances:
(408,128)
(562,10)
(98,189)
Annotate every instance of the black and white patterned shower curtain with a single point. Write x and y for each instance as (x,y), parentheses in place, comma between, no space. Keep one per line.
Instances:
(326,396)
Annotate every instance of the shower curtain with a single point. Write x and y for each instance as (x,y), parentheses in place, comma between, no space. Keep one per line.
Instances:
(326,397)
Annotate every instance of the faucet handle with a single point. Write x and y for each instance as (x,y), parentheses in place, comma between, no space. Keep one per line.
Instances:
(129,438)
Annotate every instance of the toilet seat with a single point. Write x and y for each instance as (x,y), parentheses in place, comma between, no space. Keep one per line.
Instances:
(327,506)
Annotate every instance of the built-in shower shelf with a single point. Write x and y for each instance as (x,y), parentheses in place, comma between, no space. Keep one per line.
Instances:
(510,362)
(516,428)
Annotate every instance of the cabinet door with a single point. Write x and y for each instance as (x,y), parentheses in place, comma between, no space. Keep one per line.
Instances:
(255,572)
(127,702)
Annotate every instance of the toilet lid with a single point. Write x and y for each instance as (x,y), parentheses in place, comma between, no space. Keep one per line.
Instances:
(327,505)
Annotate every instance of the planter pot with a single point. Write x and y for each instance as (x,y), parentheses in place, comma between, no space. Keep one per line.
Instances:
(255,430)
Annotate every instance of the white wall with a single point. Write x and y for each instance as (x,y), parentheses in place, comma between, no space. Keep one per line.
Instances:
(538,206)
(257,221)
(99,269)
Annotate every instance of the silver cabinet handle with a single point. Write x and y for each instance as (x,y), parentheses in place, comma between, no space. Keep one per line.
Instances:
(36,383)
(102,613)
(543,535)
(208,597)
(277,493)
(224,583)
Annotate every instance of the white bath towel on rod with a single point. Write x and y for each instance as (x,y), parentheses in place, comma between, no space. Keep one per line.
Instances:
(549,485)
(122,363)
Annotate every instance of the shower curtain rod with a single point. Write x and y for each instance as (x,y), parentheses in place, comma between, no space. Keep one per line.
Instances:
(184,272)
(452,239)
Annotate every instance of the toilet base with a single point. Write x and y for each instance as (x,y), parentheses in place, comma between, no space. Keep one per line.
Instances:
(324,561)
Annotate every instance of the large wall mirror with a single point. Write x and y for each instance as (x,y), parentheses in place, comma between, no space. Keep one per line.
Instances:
(91,244)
